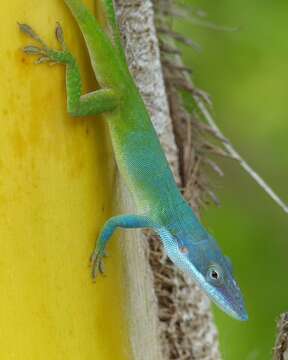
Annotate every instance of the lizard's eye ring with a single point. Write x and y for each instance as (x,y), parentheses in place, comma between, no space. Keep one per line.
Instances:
(214,275)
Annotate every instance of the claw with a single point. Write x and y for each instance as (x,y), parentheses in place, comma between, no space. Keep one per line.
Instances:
(30,49)
(97,264)
(42,60)
(26,29)
(60,35)
(52,63)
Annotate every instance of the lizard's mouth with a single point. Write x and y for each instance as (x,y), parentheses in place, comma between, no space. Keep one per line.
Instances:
(236,309)
(228,297)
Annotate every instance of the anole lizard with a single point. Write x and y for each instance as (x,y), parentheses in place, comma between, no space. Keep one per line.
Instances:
(140,158)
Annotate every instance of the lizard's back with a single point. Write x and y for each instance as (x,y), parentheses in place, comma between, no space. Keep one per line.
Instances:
(140,156)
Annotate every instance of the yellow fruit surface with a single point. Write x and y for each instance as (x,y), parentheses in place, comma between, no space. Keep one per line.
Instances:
(56,190)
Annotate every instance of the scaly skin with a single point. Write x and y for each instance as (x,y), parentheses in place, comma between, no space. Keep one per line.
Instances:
(140,158)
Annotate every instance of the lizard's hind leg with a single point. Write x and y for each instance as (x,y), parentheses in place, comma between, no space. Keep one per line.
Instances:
(93,103)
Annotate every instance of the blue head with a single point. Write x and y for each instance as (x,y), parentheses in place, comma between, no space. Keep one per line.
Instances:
(200,256)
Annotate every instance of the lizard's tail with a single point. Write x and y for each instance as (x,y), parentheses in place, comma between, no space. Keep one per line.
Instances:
(103,56)
(85,19)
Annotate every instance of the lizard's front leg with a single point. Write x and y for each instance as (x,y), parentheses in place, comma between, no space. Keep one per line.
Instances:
(123,221)
(96,102)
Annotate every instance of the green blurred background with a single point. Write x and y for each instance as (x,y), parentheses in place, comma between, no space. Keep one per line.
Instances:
(246,73)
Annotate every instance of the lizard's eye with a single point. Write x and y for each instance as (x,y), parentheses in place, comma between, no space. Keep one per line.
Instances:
(214,275)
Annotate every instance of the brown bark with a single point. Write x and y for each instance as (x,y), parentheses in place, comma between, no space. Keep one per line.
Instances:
(281,345)
(184,320)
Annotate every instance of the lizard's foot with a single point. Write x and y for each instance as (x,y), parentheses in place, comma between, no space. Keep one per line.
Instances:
(47,55)
(97,263)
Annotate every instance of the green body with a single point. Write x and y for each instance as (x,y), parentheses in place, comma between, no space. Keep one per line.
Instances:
(140,158)
(136,146)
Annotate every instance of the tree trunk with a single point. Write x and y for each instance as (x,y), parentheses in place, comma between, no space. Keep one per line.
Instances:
(184,320)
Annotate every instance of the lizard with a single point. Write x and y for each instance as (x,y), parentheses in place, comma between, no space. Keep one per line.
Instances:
(139,156)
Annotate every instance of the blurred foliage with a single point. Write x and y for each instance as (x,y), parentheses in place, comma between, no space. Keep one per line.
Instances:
(246,73)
